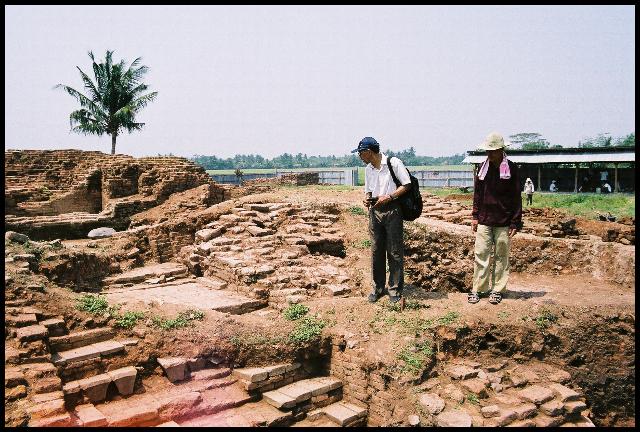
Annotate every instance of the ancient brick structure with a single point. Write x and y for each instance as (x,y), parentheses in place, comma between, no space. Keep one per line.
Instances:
(50,183)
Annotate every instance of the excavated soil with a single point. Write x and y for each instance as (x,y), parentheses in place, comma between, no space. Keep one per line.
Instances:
(572,319)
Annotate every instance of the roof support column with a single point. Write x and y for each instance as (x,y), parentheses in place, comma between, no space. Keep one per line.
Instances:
(575,183)
(539,189)
(615,178)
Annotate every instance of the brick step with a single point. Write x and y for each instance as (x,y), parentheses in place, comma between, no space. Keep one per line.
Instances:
(80,339)
(262,379)
(92,351)
(304,393)
(342,413)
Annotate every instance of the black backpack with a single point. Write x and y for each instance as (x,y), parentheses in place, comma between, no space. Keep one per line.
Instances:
(410,201)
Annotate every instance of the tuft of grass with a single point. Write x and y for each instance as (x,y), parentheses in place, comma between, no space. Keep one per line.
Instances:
(362,244)
(473,398)
(357,210)
(545,319)
(587,204)
(448,318)
(295,312)
(96,305)
(308,328)
(415,357)
(410,304)
(183,319)
(129,319)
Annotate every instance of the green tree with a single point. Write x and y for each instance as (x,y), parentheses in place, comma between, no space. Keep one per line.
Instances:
(530,141)
(114,98)
(626,141)
(601,140)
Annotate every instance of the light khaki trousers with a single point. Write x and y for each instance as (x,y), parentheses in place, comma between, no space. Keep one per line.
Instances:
(488,240)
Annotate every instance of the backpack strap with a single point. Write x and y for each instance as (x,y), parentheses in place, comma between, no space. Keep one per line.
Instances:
(395,179)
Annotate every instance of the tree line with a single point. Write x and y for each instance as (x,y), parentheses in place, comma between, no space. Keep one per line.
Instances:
(302,160)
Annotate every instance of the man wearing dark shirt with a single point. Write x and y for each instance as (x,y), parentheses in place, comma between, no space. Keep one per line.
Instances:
(497,216)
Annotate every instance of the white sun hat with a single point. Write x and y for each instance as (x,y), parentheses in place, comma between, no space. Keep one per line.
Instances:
(493,141)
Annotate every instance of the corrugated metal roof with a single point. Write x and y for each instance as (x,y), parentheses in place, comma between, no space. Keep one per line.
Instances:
(560,158)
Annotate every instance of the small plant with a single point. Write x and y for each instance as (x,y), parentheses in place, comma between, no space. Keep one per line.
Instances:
(411,304)
(415,357)
(448,318)
(295,311)
(95,304)
(129,319)
(473,398)
(183,319)
(362,244)
(545,319)
(503,314)
(356,210)
(308,329)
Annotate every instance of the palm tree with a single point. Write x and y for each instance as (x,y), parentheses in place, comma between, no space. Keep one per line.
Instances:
(114,99)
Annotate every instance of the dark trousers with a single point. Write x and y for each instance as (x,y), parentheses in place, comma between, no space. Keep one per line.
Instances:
(385,228)
(529,199)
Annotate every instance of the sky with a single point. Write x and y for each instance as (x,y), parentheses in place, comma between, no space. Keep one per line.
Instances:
(316,79)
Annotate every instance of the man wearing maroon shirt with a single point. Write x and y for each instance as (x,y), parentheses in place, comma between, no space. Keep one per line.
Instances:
(497,216)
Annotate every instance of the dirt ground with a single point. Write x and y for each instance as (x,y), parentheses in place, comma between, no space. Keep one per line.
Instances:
(260,337)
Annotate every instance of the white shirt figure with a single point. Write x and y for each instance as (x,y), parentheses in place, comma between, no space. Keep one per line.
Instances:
(528,188)
(553,187)
(379,181)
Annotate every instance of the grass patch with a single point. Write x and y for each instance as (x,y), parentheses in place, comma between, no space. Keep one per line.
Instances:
(415,357)
(473,398)
(411,304)
(587,204)
(503,314)
(362,244)
(129,319)
(448,318)
(545,319)
(357,210)
(96,305)
(307,329)
(183,319)
(295,312)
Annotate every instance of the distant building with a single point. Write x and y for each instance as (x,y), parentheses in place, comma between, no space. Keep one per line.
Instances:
(573,169)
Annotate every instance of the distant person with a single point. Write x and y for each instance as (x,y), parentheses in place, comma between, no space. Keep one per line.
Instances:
(606,187)
(385,217)
(528,190)
(553,187)
(497,216)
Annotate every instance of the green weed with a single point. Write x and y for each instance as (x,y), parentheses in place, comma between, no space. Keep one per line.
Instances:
(183,319)
(362,244)
(295,311)
(307,329)
(473,398)
(357,210)
(545,319)
(129,319)
(448,318)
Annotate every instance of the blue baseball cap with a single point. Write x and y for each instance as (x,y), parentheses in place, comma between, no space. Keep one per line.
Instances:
(367,143)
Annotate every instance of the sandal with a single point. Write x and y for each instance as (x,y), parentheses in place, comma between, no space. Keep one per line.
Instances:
(473,298)
(495,298)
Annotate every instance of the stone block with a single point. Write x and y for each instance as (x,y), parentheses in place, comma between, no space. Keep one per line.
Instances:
(124,378)
(543,420)
(565,394)
(196,364)
(178,406)
(13,377)
(536,394)
(20,320)
(525,410)
(46,409)
(344,413)
(174,367)
(490,411)
(574,407)
(15,392)
(252,375)
(32,333)
(432,403)
(129,415)
(453,418)
(95,388)
(59,420)
(89,416)
(476,386)
(559,376)
(552,408)
(461,372)
(279,400)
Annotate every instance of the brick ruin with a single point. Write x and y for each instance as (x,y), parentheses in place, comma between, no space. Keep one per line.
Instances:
(245,254)
(66,193)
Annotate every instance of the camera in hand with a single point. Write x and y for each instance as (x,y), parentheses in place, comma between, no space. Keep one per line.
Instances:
(372,200)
